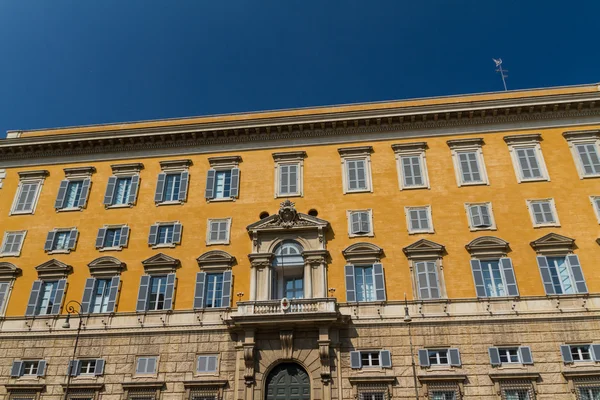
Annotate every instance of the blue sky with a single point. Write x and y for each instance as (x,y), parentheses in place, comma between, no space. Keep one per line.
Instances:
(73,62)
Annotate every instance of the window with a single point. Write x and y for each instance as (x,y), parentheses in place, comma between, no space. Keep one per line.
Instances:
(427,280)
(12,243)
(580,353)
(28,368)
(356,175)
(288,179)
(213,290)
(122,190)
(172,183)
(222,184)
(360,223)
(418,219)
(61,240)
(517,390)
(365,290)
(86,367)
(288,173)
(527,158)
(122,187)
(73,194)
(207,363)
(146,365)
(468,161)
(112,237)
(100,295)
(480,216)
(596,205)
(371,395)
(443,395)
(365,283)
(4,288)
(543,212)
(589,392)
(223,178)
(510,355)
(370,359)
(411,165)
(529,165)
(439,357)
(218,231)
(562,275)
(294,288)
(494,277)
(46,297)
(356,168)
(172,186)
(165,234)
(156,292)
(158,289)
(28,191)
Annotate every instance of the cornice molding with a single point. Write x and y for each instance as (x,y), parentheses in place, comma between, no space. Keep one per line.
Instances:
(175,164)
(468,142)
(127,168)
(531,138)
(409,147)
(38,174)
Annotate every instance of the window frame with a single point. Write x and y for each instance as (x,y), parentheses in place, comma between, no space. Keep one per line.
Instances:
(171,244)
(146,374)
(517,142)
(579,353)
(490,209)
(438,351)
(68,232)
(13,254)
(217,357)
(550,200)
(483,260)
(411,150)
(474,145)
(32,373)
(122,177)
(173,168)
(506,349)
(439,274)
(105,295)
(209,223)
(575,139)
(373,289)
(370,354)
(595,200)
(362,153)
(115,227)
(408,209)
(349,214)
(289,158)
(80,367)
(30,177)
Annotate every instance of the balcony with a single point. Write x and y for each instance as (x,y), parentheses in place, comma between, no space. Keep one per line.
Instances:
(296,311)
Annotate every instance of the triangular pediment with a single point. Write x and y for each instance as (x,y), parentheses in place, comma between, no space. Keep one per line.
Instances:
(553,242)
(9,271)
(160,263)
(215,259)
(106,265)
(53,269)
(424,248)
(490,246)
(362,252)
(287,218)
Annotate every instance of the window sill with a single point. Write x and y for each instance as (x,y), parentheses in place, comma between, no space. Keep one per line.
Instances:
(283,195)
(58,252)
(119,206)
(10,254)
(21,212)
(164,246)
(420,232)
(491,228)
(205,374)
(358,235)
(473,184)
(582,364)
(110,248)
(440,368)
(69,209)
(222,199)
(546,226)
(142,376)
(169,203)
(30,377)
(368,190)
(590,176)
(414,187)
(218,243)
(511,366)
(85,377)
(543,179)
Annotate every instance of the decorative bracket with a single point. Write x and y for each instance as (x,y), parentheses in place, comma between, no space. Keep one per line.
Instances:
(287,344)
(324,350)
(248,347)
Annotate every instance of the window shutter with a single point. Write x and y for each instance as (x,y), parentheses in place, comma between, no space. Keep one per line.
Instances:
(210,184)
(41,368)
(284,179)
(379,282)
(58,297)
(202,364)
(526,357)
(143,294)
(85,190)
(538,215)
(293,182)
(364,222)
(454,356)
(133,190)
(177,233)
(423,358)
(509,276)
(352,175)
(62,192)
(350,286)
(565,351)
(87,295)
(151,366)
(214,231)
(494,356)
(140,368)
(49,241)
(33,298)
(169,291)
(355,222)
(73,369)
(545,272)
(355,360)
(475,216)
(112,295)
(199,294)
(72,239)
(160,187)
(183,186)
(110,190)
(421,271)
(212,364)
(99,370)
(485,215)
(223,231)
(124,236)
(478,278)
(235,183)
(152,237)
(386,358)
(227,283)
(577,273)
(414,220)
(100,238)
(465,167)
(595,352)
(3,293)
(15,370)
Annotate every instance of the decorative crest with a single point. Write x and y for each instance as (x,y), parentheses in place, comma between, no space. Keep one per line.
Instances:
(287,214)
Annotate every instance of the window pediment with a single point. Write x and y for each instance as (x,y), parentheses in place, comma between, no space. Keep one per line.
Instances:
(468,142)
(175,164)
(288,218)
(130,168)
(38,174)
(355,151)
(216,259)
(84,172)
(9,271)
(224,161)
(424,249)
(160,263)
(106,266)
(553,243)
(289,156)
(523,139)
(362,252)
(53,269)
(488,246)
(409,147)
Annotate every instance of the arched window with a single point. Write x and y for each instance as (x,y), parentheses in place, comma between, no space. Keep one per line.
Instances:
(288,253)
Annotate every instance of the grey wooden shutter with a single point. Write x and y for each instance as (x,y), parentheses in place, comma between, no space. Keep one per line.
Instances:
(72,239)
(73,369)
(133,189)
(41,368)
(454,356)
(62,192)
(183,186)
(423,357)
(595,352)
(485,215)
(99,370)
(350,286)
(124,236)
(478,278)
(494,356)
(211,365)
(140,367)
(526,357)
(475,216)
(385,358)
(100,238)
(355,222)
(85,190)
(364,222)
(169,292)
(209,193)
(151,366)
(58,297)
(87,295)
(143,294)
(113,294)
(509,276)
(3,293)
(199,293)
(110,190)
(33,298)
(15,370)
(565,351)
(379,282)
(160,187)
(152,237)
(235,183)
(545,272)
(355,360)
(352,168)
(227,283)
(49,241)
(577,273)
(177,233)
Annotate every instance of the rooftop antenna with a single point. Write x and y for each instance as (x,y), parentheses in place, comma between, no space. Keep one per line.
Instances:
(502,71)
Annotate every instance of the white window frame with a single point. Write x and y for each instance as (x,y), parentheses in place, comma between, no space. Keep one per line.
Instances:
(492,227)
(353,154)
(349,219)
(439,272)
(516,142)
(113,248)
(371,358)
(37,177)
(14,254)
(429,218)
(33,373)
(583,137)
(63,251)
(289,158)
(580,353)
(209,222)
(204,373)
(467,146)
(10,283)
(80,367)
(411,150)
(174,167)
(552,207)
(505,349)
(170,244)
(155,373)
(224,164)
(595,200)
(437,351)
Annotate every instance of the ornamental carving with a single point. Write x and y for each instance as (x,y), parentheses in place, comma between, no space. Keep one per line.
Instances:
(287,344)
(325,362)
(287,214)
(248,363)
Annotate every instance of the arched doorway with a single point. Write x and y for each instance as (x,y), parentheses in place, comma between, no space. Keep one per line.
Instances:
(288,381)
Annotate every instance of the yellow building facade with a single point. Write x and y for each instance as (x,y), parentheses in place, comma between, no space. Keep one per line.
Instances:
(283,244)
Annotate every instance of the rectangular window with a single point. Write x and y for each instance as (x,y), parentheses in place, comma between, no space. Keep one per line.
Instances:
(480,216)
(87,367)
(294,288)
(30,368)
(112,237)
(73,194)
(214,290)
(529,165)
(596,205)
(470,172)
(543,212)
(101,296)
(581,353)
(207,363)
(61,240)
(360,223)
(588,157)
(165,234)
(146,365)
(419,219)
(356,175)
(288,179)
(158,288)
(561,275)
(47,298)
(172,185)
(493,278)
(12,243)
(438,357)
(412,171)
(427,280)
(509,355)
(516,394)
(122,191)
(443,395)
(372,395)
(222,184)
(370,358)
(589,392)
(218,231)
(26,197)
(365,289)
(4,287)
